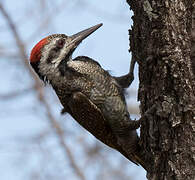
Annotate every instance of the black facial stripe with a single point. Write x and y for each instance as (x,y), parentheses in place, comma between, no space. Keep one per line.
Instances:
(62,67)
(55,52)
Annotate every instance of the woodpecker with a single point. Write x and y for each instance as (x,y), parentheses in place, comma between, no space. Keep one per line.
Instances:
(93,97)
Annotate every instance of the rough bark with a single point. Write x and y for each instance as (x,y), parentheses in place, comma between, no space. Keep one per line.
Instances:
(193,39)
(162,41)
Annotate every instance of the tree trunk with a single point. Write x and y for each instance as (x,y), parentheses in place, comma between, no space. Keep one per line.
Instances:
(162,41)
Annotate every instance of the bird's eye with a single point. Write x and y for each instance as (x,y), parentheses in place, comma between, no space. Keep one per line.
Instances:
(60,43)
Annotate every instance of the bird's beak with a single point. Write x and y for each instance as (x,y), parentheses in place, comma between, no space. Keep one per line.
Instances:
(78,37)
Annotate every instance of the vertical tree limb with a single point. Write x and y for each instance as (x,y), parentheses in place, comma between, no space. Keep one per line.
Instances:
(161,40)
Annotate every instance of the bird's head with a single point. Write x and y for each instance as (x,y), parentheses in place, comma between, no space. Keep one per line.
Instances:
(48,53)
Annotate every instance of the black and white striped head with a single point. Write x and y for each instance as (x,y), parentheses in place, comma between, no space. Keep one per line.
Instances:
(48,53)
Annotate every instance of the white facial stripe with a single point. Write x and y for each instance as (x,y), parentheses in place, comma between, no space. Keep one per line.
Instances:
(47,48)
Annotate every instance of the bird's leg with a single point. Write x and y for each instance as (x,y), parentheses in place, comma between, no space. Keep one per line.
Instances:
(132,125)
(136,123)
(126,80)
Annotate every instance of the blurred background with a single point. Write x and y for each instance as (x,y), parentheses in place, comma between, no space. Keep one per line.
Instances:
(36,142)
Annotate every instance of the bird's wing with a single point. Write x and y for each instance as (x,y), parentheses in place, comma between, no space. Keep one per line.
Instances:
(89,116)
